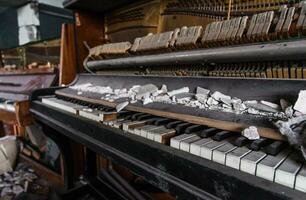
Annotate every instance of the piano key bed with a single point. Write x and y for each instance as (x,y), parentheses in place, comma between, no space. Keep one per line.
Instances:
(207,143)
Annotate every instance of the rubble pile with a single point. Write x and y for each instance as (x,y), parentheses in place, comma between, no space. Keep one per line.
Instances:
(202,98)
(22,180)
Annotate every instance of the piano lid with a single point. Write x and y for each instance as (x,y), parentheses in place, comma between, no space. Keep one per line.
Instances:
(19,86)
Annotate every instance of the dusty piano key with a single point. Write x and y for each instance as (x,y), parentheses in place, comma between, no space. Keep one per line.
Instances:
(241,141)
(249,162)
(132,124)
(256,145)
(194,128)
(185,144)
(150,132)
(134,116)
(141,116)
(163,135)
(266,168)
(162,121)
(207,149)
(275,147)
(90,114)
(175,141)
(223,135)
(62,105)
(300,182)
(286,173)
(234,157)
(118,124)
(107,116)
(219,154)
(207,132)
(173,124)
(195,147)
(180,128)
(139,129)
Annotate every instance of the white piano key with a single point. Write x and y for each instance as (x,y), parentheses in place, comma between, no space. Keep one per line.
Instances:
(163,135)
(195,148)
(118,124)
(94,115)
(207,149)
(234,157)
(138,130)
(300,182)
(132,124)
(219,154)
(150,133)
(63,105)
(175,141)
(266,168)
(249,162)
(185,144)
(286,173)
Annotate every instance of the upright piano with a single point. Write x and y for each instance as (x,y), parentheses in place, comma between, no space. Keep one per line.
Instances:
(15,89)
(168,97)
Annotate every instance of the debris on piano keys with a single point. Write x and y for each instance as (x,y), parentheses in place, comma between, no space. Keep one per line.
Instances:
(251,133)
(203,99)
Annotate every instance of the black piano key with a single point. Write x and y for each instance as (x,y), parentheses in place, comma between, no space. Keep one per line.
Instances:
(144,117)
(152,120)
(195,128)
(241,141)
(173,124)
(134,116)
(124,114)
(102,108)
(256,145)
(163,121)
(180,128)
(208,132)
(223,135)
(275,147)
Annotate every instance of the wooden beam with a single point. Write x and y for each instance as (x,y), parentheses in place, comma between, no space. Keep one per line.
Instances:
(68,55)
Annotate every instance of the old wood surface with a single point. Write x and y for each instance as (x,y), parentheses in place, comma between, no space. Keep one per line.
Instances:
(68,59)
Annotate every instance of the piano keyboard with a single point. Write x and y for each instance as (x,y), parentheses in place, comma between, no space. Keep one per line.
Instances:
(265,158)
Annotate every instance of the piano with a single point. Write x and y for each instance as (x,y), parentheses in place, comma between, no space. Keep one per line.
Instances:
(171,105)
(15,91)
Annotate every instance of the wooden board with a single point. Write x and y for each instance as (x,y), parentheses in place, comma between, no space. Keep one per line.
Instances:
(53,177)
(68,59)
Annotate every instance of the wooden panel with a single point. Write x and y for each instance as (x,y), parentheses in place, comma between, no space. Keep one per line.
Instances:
(89,28)
(68,60)
(53,177)
(22,113)
(136,20)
